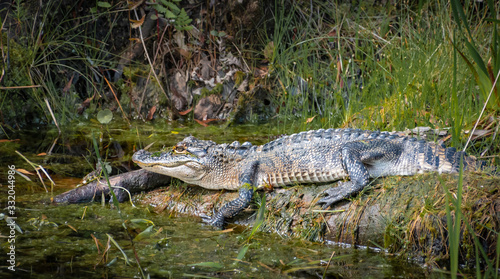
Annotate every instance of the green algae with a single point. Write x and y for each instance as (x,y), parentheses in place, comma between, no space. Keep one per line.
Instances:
(65,245)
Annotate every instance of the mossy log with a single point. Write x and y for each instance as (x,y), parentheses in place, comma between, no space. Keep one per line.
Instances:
(133,182)
(398,214)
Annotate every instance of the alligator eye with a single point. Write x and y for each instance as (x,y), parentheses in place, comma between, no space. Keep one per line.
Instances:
(180,149)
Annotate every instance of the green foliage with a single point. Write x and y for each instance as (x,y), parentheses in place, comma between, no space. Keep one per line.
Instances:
(455,223)
(239,77)
(104,116)
(261,214)
(182,22)
(170,10)
(485,70)
(217,90)
(216,33)
(101,4)
(242,252)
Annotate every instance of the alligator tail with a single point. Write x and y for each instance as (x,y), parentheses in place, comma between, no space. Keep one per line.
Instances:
(489,169)
(470,163)
(434,157)
(454,157)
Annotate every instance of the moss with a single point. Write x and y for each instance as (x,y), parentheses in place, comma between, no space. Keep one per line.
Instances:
(132,73)
(422,208)
(20,59)
(239,77)
(217,90)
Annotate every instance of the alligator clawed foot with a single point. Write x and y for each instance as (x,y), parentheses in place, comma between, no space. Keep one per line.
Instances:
(213,221)
(335,194)
(331,197)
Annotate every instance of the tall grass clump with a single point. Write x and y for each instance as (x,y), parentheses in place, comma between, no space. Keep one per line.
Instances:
(312,80)
(388,67)
(483,61)
(460,225)
(60,61)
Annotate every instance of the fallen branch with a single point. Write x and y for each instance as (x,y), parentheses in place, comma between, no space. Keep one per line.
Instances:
(134,182)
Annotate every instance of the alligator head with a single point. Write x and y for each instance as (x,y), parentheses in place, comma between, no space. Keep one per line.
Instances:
(187,160)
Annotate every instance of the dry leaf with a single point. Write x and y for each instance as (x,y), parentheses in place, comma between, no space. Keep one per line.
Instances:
(23,171)
(261,72)
(137,23)
(310,119)
(68,85)
(186,111)
(151,113)
(7,140)
(134,4)
(205,122)
(85,105)
(185,53)
(446,138)
(201,123)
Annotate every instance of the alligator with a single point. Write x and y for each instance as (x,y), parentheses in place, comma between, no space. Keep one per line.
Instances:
(316,156)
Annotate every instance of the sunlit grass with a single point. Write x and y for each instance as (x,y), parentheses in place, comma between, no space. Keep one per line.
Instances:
(347,69)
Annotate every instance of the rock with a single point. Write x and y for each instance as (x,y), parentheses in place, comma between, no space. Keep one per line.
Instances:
(208,108)
(180,97)
(147,97)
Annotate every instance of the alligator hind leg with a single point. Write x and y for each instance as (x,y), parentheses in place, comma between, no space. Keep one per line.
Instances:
(357,171)
(231,208)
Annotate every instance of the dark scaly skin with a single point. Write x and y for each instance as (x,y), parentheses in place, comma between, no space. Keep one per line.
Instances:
(309,157)
(232,208)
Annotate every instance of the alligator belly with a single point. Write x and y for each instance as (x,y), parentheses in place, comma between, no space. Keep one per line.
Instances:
(289,178)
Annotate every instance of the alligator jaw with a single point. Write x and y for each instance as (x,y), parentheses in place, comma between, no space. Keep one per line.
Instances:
(145,159)
(184,167)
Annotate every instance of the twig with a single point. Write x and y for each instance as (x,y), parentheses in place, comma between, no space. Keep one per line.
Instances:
(373,33)
(149,59)
(52,146)
(116,98)
(482,111)
(38,173)
(242,58)
(52,114)
(492,140)
(151,69)
(19,87)
(328,264)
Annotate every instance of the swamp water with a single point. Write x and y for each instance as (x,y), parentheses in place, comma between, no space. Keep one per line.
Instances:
(91,241)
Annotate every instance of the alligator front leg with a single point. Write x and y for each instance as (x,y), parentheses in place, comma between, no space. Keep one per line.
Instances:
(352,161)
(231,208)
(234,207)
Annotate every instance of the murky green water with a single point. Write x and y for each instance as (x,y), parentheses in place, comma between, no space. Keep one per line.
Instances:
(76,241)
